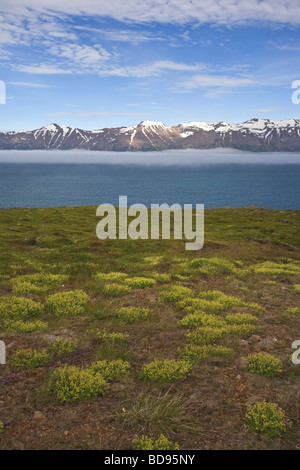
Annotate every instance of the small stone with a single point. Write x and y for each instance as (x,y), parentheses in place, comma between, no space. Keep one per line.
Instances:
(254,339)
(39,415)
(30,380)
(253,399)
(18,445)
(241,362)
(266,344)
(241,388)
(66,332)
(243,342)
(116,387)
(50,338)
(216,361)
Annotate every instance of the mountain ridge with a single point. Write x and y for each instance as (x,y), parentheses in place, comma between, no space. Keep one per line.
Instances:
(252,135)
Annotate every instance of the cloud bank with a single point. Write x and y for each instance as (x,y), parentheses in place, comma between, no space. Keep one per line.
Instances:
(174,11)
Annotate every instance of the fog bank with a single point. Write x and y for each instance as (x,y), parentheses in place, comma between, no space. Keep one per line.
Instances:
(165,158)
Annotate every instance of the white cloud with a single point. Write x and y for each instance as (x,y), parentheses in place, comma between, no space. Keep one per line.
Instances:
(94,63)
(152,69)
(289,46)
(136,105)
(89,114)
(174,11)
(29,84)
(23,29)
(41,69)
(214,81)
(81,54)
(122,35)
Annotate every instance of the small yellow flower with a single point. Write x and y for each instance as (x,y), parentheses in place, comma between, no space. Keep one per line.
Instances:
(123,409)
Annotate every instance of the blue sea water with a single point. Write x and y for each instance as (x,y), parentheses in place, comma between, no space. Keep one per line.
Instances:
(234,179)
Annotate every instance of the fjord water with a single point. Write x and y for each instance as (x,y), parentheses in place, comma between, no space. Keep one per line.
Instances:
(215,178)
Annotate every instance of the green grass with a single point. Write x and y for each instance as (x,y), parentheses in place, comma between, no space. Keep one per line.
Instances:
(165,412)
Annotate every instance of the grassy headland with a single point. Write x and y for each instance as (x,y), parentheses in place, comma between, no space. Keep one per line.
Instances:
(111,340)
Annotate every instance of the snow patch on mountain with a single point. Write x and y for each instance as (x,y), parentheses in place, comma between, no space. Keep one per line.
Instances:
(197,125)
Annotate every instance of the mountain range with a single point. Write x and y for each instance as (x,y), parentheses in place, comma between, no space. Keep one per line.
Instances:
(259,135)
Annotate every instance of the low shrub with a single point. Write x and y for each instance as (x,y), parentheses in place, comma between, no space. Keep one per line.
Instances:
(293,311)
(297,288)
(267,418)
(111,277)
(244,329)
(63,347)
(132,314)
(265,364)
(240,318)
(213,266)
(201,319)
(211,295)
(37,283)
(167,370)
(194,353)
(70,303)
(20,326)
(140,282)
(216,306)
(176,293)
(115,290)
(150,443)
(30,358)
(110,370)
(192,305)
(223,302)
(271,268)
(112,337)
(206,335)
(71,383)
(19,308)
(162,278)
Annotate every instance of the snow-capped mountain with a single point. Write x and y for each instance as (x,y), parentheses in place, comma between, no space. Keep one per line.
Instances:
(253,135)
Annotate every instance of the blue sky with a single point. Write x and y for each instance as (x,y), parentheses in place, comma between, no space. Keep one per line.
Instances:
(98,64)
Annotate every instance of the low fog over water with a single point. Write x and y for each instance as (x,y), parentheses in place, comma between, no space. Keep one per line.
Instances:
(165,158)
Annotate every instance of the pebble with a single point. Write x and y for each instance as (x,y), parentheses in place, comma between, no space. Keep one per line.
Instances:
(216,362)
(253,399)
(241,362)
(39,415)
(266,344)
(50,338)
(254,339)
